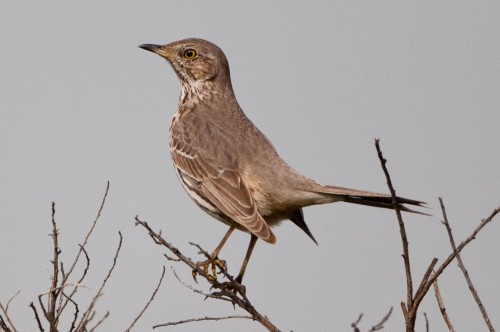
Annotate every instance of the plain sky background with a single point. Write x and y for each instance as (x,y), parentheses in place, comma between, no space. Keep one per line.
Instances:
(81,104)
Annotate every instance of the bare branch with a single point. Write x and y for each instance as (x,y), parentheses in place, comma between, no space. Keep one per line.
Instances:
(197,291)
(75,318)
(100,322)
(82,246)
(422,289)
(5,310)
(76,286)
(53,293)
(86,315)
(169,258)
(82,249)
(464,270)
(376,327)
(425,278)
(442,308)
(426,322)
(3,325)
(462,245)
(380,325)
(149,302)
(355,324)
(410,321)
(226,290)
(158,239)
(202,319)
(40,327)
(410,308)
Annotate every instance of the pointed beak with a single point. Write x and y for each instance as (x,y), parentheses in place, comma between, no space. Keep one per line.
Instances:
(162,50)
(157,49)
(151,47)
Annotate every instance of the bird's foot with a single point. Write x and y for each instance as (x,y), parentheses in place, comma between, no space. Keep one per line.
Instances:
(236,287)
(210,268)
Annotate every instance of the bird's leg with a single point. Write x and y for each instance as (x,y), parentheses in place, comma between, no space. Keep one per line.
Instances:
(214,261)
(239,278)
(251,245)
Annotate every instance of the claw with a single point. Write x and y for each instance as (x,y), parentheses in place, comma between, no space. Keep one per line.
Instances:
(211,264)
(194,273)
(236,287)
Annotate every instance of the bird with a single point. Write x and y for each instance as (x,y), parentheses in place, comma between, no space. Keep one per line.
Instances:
(228,167)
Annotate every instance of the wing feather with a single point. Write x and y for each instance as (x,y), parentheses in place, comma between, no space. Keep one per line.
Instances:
(222,185)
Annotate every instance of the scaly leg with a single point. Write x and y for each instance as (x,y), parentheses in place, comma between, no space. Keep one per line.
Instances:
(214,261)
(251,245)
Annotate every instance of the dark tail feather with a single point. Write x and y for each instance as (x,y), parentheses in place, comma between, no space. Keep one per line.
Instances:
(386,202)
(370,198)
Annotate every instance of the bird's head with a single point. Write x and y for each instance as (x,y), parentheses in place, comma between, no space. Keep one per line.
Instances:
(194,60)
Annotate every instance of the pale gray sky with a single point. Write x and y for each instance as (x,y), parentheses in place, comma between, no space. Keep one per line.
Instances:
(81,104)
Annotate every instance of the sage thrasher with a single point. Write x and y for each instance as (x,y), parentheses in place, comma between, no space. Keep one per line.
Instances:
(227,166)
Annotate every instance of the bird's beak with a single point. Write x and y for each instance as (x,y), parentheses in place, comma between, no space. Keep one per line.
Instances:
(150,47)
(157,49)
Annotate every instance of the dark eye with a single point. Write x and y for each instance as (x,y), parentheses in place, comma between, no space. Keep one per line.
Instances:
(190,54)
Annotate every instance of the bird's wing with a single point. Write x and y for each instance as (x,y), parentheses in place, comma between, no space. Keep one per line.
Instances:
(220,183)
(230,194)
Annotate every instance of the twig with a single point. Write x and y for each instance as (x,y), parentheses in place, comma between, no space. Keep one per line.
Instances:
(197,291)
(82,249)
(376,327)
(85,318)
(40,327)
(426,322)
(42,305)
(169,258)
(233,283)
(411,307)
(158,239)
(380,325)
(355,324)
(53,293)
(5,311)
(422,290)
(100,322)
(149,302)
(3,325)
(86,239)
(464,270)
(407,309)
(461,246)
(75,315)
(226,290)
(201,319)
(442,308)
(77,285)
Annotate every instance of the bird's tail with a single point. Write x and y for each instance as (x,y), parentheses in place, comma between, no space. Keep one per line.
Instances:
(371,199)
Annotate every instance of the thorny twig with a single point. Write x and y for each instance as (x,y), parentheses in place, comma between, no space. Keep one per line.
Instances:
(5,310)
(464,270)
(149,302)
(376,327)
(407,308)
(206,318)
(82,249)
(225,290)
(37,318)
(442,308)
(410,308)
(85,318)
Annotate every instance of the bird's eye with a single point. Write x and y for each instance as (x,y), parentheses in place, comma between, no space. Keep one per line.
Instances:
(190,54)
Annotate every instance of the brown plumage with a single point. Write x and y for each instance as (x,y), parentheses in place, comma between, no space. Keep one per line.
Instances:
(226,165)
